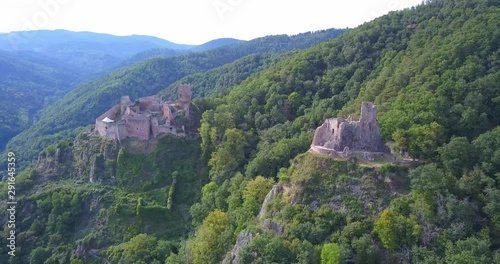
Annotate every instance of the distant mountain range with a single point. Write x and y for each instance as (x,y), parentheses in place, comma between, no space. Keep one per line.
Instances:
(90,52)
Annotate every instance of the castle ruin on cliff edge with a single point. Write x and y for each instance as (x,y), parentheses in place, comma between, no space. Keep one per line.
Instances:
(352,137)
(146,118)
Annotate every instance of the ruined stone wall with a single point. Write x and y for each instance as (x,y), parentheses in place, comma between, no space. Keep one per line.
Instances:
(321,135)
(329,133)
(147,119)
(111,113)
(124,103)
(151,103)
(131,110)
(165,129)
(121,130)
(184,98)
(184,94)
(138,127)
(154,127)
(111,130)
(339,134)
(102,127)
(114,130)
(171,130)
(167,113)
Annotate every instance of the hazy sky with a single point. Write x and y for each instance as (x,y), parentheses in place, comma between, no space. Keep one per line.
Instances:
(193,21)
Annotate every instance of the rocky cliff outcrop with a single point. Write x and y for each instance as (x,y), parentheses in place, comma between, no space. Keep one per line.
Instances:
(271,195)
(244,239)
(89,156)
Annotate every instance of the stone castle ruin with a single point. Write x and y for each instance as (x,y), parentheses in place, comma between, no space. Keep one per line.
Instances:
(145,118)
(353,136)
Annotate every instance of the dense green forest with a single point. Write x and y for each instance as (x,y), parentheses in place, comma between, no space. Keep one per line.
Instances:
(83,104)
(433,72)
(217,43)
(29,83)
(248,191)
(91,194)
(217,82)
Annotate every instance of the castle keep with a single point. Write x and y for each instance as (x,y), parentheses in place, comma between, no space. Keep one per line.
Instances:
(145,118)
(345,137)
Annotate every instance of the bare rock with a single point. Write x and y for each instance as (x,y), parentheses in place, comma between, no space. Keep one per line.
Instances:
(271,195)
(244,238)
(270,225)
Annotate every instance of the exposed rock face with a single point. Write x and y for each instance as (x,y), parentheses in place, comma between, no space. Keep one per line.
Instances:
(244,238)
(346,135)
(271,226)
(86,158)
(273,193)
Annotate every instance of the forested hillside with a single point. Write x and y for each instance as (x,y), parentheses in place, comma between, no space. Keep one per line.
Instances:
(165,53)
(433,72)
(83,104)
(217,43)
(29,83)
(220,80)
(89,198)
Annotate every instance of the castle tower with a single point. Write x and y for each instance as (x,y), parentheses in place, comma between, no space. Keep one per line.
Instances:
(184,94)
(184,97)
(124,103)
(368,112)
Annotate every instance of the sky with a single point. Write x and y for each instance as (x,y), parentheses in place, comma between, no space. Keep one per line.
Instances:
(193,21)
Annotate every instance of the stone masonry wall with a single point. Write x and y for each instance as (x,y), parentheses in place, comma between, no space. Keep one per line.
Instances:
(151,103)
(138,127)
(339,134)
(102,127)
(111,113)
(146,118)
